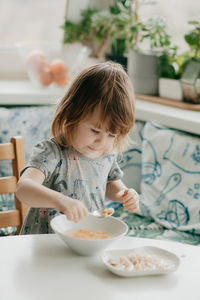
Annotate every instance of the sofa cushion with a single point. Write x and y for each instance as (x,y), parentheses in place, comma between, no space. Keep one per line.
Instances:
(144,227)
(130,161)
(170,184)
(33,124)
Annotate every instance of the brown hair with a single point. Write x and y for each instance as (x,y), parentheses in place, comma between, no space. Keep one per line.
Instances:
(105,85)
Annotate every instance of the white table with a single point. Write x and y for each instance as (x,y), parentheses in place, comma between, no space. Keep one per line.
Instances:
(40,267)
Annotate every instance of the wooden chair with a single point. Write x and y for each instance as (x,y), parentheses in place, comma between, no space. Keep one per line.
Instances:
(12,151)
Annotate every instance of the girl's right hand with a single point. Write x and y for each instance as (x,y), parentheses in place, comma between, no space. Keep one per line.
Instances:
(31,191)
(73,209)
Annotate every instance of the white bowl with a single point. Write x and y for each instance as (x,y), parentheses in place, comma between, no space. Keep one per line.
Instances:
(114,226)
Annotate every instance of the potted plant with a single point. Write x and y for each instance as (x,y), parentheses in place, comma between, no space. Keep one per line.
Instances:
(177,70)
(143,63)
(124,31)
(112,33)
(169,69)
(108,32)
(190,78)
(84,32)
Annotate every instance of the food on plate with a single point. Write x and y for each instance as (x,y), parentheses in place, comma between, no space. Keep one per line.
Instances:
(122,263)
(128,266)
(108,211)
(143,262)
(113,262)
(138,262)
(88,234)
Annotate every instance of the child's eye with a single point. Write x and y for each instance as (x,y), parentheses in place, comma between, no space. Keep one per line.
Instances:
(95,131)
(112,135)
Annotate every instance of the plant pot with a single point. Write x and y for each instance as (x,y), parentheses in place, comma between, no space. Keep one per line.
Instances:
(190,82)
(142,69)
(170,88)
(123,60)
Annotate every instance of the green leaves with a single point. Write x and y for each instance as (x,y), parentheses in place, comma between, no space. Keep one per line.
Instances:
(172,65)
(167,64)
(74,32)
(193,38)
(118,28)
(154,29)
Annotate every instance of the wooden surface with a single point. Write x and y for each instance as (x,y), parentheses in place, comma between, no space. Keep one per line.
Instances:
(13,151)
(169,102)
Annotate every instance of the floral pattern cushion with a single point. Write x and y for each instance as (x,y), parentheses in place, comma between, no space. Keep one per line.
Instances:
(170,178)
(33,124)
(146,227)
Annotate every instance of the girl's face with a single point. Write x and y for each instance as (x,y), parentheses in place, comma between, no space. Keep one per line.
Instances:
(91,141)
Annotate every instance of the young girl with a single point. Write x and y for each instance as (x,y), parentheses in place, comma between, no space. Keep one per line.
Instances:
(76,169)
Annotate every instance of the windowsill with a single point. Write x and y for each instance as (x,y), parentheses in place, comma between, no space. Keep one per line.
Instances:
(21,92)
(181,119)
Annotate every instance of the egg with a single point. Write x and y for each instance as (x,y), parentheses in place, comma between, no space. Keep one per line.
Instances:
(62,80)
(58,68)
(36,60)
(45,77)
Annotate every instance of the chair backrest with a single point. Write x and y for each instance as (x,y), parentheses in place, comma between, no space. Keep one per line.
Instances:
(13,151)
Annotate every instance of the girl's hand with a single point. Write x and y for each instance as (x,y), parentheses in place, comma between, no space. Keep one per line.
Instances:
(130,199)
(73,209)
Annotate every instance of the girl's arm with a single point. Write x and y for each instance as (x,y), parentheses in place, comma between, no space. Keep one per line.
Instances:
(112,188)
(117,191)
(31,191)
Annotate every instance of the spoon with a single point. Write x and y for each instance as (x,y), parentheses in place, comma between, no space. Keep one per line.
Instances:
(105,212)
(101,213)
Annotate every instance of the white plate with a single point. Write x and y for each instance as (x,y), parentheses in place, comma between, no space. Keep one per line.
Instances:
(170,261)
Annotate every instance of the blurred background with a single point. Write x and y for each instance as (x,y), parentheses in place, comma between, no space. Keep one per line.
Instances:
(42,20)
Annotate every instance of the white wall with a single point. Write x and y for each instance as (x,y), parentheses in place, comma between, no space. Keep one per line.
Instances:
(41,20)
(26,20)
(32,20)
(177,13)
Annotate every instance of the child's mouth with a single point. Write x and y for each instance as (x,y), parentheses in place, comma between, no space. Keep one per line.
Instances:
(92,149)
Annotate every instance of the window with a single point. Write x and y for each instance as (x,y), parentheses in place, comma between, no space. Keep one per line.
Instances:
(31,20)
(41,20)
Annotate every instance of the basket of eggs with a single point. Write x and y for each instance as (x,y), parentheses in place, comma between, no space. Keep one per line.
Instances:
(47,63)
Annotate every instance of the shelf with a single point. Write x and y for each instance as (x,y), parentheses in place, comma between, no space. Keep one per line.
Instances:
(169,102)
(173,117)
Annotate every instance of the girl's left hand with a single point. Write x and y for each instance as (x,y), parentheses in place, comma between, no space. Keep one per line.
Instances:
(130,199)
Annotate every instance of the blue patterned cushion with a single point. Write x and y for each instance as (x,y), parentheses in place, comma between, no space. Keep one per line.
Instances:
(33,124)
(171,177)
(130,162)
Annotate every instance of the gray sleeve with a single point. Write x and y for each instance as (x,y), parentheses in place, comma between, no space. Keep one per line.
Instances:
(45,157)
(115,171)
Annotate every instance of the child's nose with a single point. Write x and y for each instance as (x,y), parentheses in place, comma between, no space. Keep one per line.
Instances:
(100,139)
